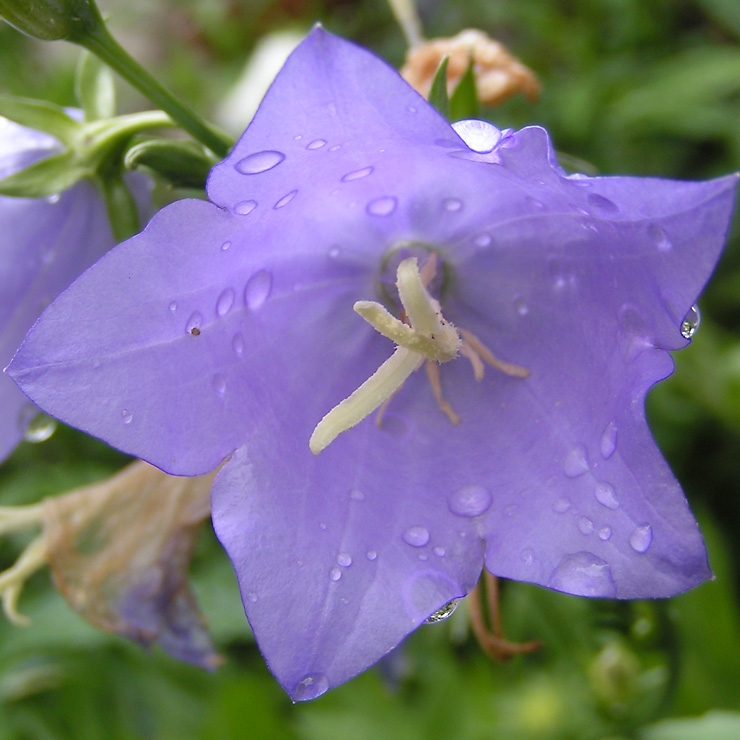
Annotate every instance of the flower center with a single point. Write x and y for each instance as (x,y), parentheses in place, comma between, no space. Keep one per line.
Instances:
(424,337)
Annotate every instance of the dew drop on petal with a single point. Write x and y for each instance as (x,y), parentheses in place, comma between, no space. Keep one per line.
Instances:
(219,384)
(452,205)
(173,306)
(258,289)
(608,444)
(440,552)
(479,136)
(36,425)
(252,597)
(600,203)
(316,144)
(583,574)
(371,555)
(482,240)
(641,538)
(443,613)
(245,207)
(691,322)
(335,573)
(561,505)
(606,496)
(659,238)
(333,252)
(383,206)
(225,302)
(344,559)
(225,246)
(470,501)
(259,162)
(520,306)
(237,344)
(194,323)
(605,533)
(585,525)
(335,147)
(527,556)
(285,199)
(356,495)
(358,174)
(310,687)
(576,462)
(127,416)
(416,536)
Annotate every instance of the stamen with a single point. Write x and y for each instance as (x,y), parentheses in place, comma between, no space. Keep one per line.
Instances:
(433,374)
(467,351)
(508,368)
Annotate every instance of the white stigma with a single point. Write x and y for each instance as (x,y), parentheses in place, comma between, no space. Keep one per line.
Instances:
(427,336)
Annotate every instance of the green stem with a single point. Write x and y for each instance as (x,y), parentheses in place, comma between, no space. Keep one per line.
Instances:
(106,48)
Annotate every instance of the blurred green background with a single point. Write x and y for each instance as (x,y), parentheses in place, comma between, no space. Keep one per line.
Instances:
(629,86)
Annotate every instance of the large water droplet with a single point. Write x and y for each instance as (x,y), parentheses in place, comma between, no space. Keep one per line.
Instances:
(479,136)
(576,462)
(358,174)
(245,207)
(585,525)
(285,199)
(310,687)
(335,573)
(583,574)
(443,613)
(659,238)
(608,444)
(237,344)
(561,505)
(219,384)
(470,501)
(416,536)
(691,322)
(259,162)
(316,144)
(225,302)
(641,538)
(606,496)
(344,559)
(383,206)
(258,289)
(35,425)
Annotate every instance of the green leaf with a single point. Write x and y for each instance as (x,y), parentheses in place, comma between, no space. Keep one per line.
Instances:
(94,88)
(45,178)
(41,116)
(438,97)
(712,726)
(184,163)
(464,101)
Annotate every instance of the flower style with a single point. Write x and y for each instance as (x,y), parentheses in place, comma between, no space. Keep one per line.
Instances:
(46,244)
(226,329)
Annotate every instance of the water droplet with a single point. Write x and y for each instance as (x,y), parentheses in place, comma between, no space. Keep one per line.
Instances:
(35,425)
(606,496)
(194,323)
(470,501)
(237,344)
(383,206)
(605,533)
(258,289)
(641,538)
(585,525)
(600,203)
(333,252)
(576,462)
(371,554)
(482,240)
(219,384)
(297,137)
(659,238)
(252,596)
(322,526)
(411,109)
(527,556)
(245,207)
(285,199)
(479,136)
(561,505)
(52,198)
(608,443)
(225,302)
(440,552)
(344,559)
(173,306)
(335,574)
(335,147)
(416,536)
(583,574)
(316,144)
(358,174)
(444,613)
(452,205)
(225,246)
(310,687)
(259,162)
(356,495)
(126,416)
(691,322)
(520,306)
(423,557)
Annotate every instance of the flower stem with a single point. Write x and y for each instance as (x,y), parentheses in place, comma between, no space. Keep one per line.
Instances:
(105,47)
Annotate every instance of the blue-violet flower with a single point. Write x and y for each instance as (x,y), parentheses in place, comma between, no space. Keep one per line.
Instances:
(226,330)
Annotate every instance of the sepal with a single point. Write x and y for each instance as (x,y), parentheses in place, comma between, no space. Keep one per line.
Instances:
(184,164)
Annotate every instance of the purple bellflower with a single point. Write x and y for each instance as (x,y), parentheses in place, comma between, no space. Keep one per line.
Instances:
(44,245)
(226,330)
